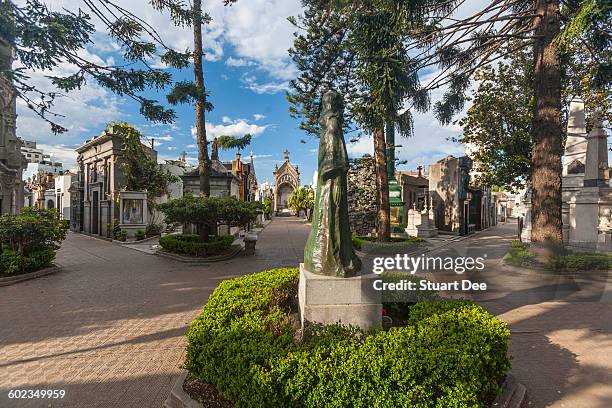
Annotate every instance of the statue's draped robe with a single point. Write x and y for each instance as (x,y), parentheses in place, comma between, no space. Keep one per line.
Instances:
(329,250)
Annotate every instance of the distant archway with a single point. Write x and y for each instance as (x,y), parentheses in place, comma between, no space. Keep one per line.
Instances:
(286,180)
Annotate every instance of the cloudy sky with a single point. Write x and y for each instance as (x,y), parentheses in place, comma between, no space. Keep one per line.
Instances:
(247,69)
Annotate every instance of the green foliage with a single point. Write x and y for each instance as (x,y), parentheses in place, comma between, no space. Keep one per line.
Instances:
(114,230)
(267,208)
(231,142)
(452,353)
(120,235)
(359,48)
(497,125)
(582,262)
(140,234)
(154,229)
(397,303)
(42,39)
(190,244)
(209,212)
(241,329)
(28,241)
(140,169)
(362,242)
(519,254)
(301,199)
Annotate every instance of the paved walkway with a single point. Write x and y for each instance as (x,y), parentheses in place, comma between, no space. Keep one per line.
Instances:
(109,329)
(561,325)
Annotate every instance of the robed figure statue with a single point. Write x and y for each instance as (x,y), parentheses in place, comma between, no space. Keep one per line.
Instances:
(329,250)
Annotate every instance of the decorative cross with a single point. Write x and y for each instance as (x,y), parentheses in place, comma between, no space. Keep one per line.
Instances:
(286,154)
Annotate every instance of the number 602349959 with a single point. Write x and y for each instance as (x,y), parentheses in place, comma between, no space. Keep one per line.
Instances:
(29,394)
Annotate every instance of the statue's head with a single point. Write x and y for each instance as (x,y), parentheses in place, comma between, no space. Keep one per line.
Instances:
(331,102)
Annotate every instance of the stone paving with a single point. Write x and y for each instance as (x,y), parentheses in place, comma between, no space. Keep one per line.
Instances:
(109,328)
(561,324)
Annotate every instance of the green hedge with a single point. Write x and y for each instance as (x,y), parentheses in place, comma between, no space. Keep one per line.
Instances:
(29,240)
(452,353)
(520,255)
(360,241)
(190,244)
(12,262)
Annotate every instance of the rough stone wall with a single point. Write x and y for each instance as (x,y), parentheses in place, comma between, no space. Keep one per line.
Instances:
(362,196)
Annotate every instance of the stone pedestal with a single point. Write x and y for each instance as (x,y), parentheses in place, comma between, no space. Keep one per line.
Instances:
(574,160)
(328,300)
(420,224)
(591,219)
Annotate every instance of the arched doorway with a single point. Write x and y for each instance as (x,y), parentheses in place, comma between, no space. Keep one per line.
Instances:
(286,179)
(50,204)
(283,193)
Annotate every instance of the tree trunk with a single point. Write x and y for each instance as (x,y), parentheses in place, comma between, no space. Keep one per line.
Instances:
(546,132)
(382,186)
(203,161)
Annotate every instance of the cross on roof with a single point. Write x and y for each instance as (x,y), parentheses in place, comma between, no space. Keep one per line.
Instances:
(286,154)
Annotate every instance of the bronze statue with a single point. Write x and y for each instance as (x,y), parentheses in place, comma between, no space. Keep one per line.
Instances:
(329,249)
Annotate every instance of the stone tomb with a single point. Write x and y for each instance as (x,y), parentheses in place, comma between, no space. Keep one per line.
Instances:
(421,223)
(590,209)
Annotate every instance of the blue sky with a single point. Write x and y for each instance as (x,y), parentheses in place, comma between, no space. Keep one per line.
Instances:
(247,69)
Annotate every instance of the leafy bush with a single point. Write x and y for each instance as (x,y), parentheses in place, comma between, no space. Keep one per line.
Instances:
(397,303)
(154,229)
(120,235)
(397,229)
(190,244)
(140,234)
(208,213)
(519,254)
(114,230)
(267,208)
(582,262)
(28,241)
(452,354)
(360,242)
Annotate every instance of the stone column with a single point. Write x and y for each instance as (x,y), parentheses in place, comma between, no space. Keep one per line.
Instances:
(573,161)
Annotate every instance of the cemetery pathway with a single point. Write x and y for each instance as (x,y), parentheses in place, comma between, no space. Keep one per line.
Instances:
(109,328)
(561,326)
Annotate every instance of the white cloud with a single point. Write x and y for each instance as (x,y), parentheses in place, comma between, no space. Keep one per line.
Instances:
(237,128)
(363,145)
(65,154)
(226,119)
(165,138)
(250,82)
(239,62)
(259,116)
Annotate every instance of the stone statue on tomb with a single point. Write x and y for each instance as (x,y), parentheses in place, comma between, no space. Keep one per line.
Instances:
(329,249)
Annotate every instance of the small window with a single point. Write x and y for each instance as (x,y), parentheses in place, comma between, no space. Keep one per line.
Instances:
(132,211)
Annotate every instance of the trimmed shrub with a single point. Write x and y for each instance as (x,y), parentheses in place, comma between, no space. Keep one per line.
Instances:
(140,234)
(582,262)
(190,244)
(120,235)
(361,242)
(154,229)
(397,302)
(29,240)
(452,354)
(520,255)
